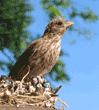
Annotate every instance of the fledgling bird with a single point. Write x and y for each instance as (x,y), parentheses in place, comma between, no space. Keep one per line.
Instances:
(42,54)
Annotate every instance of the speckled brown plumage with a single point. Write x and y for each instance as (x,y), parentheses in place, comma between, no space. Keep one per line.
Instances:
(42,54)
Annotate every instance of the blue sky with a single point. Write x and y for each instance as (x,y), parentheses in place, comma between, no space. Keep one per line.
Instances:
(83,62)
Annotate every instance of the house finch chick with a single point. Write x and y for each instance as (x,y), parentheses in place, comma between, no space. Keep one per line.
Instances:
(42,54)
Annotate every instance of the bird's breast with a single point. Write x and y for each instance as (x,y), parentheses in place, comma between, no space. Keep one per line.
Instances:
(45,58)
(53,53)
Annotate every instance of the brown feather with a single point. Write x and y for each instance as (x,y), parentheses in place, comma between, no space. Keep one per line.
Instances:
(42,54)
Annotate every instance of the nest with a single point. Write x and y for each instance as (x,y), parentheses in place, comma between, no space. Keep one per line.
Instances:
(33,92)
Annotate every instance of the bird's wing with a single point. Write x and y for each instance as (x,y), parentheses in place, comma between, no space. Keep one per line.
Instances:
(23,61)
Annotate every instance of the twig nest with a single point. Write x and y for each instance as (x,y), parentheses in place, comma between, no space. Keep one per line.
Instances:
(33,92)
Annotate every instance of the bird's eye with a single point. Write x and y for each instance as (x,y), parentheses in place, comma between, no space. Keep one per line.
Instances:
(59,23)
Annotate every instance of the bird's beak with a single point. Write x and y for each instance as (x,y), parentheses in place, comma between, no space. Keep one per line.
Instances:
(69,24)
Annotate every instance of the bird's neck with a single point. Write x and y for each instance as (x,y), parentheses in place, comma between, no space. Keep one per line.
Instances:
(52,36)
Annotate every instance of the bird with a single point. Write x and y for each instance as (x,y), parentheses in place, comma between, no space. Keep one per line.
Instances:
(42,54)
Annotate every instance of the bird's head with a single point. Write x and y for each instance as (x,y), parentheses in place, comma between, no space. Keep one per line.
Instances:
(57,26)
